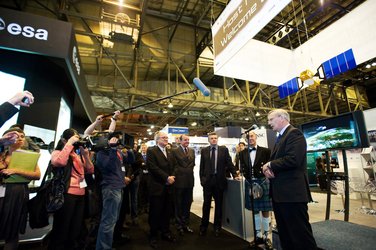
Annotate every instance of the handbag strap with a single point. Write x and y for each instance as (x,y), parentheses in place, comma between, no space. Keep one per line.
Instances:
(47,173)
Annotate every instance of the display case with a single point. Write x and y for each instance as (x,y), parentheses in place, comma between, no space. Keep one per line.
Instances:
(368,158)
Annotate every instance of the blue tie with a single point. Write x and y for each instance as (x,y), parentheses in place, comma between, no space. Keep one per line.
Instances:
(278,138)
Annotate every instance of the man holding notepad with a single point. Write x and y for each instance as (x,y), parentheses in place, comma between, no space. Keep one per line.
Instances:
(17,169)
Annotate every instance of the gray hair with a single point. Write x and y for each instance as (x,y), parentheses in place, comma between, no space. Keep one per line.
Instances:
(157,135)
(282,113)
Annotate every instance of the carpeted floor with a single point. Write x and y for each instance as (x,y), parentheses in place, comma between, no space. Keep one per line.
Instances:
(335,234)
(139,239)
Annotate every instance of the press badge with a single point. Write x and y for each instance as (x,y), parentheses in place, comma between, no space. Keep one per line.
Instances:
(83,184)
(2,191)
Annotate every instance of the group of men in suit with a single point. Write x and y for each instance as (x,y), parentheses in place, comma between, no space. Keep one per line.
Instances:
(171,183)
(283,170)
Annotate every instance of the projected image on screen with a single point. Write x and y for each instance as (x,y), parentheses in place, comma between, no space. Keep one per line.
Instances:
(341,132)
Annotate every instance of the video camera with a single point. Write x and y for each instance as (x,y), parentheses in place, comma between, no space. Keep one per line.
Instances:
(98,141)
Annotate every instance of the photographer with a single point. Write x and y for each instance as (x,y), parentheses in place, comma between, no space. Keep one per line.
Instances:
(76,162)
(109,161)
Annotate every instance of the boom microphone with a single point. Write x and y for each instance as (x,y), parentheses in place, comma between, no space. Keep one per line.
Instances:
(204,90)
(253,127)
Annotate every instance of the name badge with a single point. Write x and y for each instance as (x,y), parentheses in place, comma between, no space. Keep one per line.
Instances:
(83,184)
(123,168)
(2,191)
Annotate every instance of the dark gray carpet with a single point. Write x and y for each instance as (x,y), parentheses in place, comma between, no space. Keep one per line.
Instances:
(335,234)
(139,239)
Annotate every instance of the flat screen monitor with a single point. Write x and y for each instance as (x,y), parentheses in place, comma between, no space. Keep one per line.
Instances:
(344,131)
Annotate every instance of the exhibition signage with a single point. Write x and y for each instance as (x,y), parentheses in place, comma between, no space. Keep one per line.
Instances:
(28,33)
(240,21)
(177,131)
(266,63)
(21,31)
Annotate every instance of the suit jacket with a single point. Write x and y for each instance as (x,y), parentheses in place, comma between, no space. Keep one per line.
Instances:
(185,165)
(223,162)
(289,164)
(7,110)
(262,157)
(160,168)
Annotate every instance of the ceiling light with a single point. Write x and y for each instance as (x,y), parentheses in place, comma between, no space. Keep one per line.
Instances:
(247,118)
(194,124)
(373,64)
(152,126)
(150,133)
(148,130)
(257,113)
(164,111)
(170,105)
(368,66)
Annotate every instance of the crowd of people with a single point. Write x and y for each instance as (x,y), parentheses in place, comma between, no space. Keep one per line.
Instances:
(159,180)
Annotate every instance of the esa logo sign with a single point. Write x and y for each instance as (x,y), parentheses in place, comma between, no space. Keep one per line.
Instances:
(26,31)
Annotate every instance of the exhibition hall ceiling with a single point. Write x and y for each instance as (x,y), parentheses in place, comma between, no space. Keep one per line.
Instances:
(135,52)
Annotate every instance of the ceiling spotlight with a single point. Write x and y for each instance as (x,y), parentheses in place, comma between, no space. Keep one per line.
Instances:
(247,118)
(164,111)
(257,113)
(368,66)
(170,105)
(194,124)
(373,64)
(152,126)
(148,130)
(150,133)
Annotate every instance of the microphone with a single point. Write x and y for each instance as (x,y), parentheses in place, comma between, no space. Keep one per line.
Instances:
(204,90)
(253,127)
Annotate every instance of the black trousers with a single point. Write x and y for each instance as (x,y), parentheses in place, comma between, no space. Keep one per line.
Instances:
(160,210)
(212,190)
(183,202)
(295,232)
(67,223)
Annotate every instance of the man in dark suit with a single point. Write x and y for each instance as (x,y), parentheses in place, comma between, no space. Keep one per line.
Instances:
(161,166)
(185,158)
(214,162)
(287,171)
(251,161)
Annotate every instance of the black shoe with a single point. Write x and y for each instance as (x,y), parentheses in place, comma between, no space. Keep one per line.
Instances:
(169,237)
(268,244)
(202,231)
(122,239)
(254,244)
(153,243)
(188,230)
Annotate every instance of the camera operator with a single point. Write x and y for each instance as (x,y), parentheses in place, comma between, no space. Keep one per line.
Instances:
(128,158)
(110,163)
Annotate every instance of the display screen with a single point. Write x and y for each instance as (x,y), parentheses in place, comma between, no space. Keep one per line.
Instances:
(341,132)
